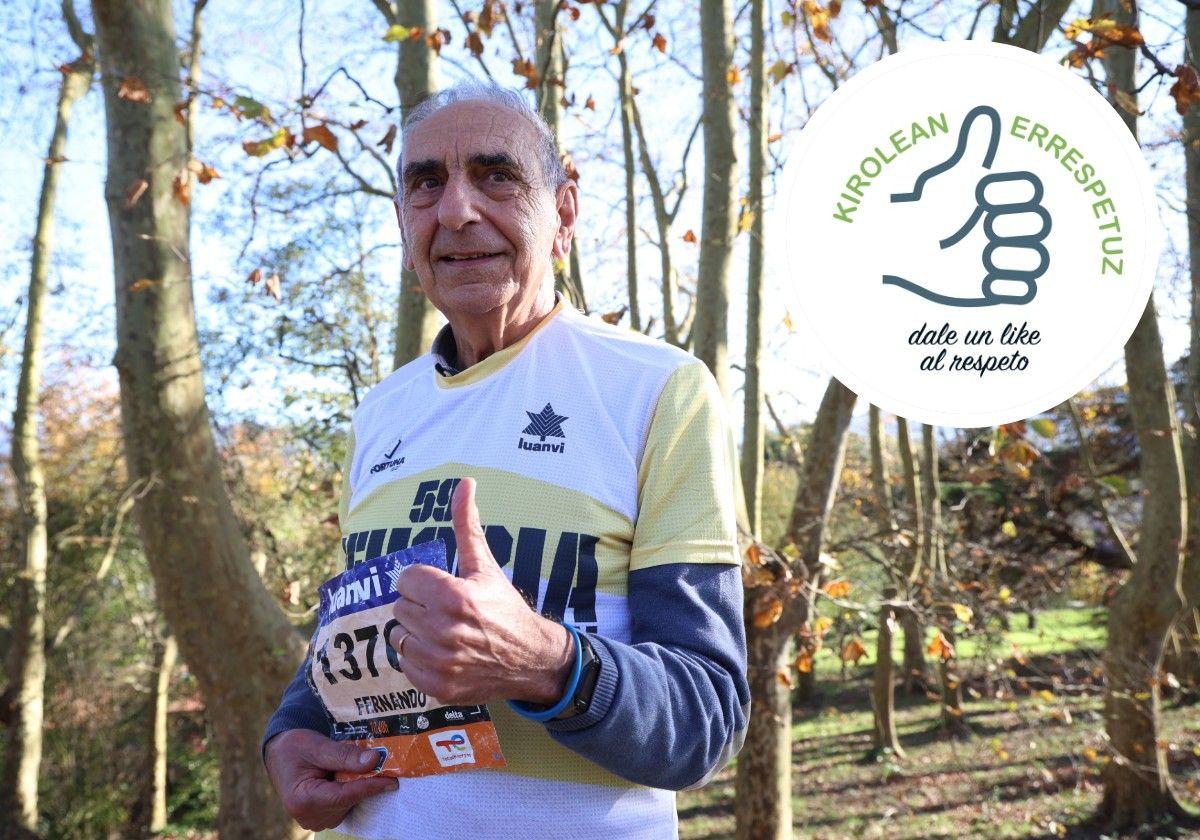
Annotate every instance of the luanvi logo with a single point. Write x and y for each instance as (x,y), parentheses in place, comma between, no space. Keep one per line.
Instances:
(544,424)
(971,232)
(389,462)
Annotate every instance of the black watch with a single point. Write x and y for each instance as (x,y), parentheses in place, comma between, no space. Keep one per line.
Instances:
(586,687)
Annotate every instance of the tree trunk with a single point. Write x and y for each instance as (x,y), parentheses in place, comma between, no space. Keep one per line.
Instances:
(718,224)
(1191,393)
(27,664)
(208,590)
(763,788)
(883,694)
(763,805)
(881,482)
(950,680)
(753,443)
(935,552)
(1136,781)
(916,676)
(552,83)
(625,97)
(149,814)
(416,77)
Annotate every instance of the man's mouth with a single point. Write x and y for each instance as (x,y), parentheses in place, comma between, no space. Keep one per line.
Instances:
(469,257)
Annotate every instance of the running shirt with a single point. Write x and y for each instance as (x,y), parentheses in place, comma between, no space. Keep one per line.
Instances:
(598,453)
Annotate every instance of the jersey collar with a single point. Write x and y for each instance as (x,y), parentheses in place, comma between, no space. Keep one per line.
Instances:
(445,353)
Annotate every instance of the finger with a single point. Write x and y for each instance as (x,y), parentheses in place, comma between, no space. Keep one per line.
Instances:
(989,133)
(341,755)
(414,618)
(1030,224)
(474,557)
(1009,190)
(424,584)
(330,796)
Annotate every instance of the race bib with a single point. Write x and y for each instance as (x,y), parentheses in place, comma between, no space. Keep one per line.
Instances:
(360,678)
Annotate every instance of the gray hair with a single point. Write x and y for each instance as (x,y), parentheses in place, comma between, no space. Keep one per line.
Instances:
(554,174)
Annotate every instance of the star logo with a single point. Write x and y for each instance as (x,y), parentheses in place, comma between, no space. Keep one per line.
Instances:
(545,423)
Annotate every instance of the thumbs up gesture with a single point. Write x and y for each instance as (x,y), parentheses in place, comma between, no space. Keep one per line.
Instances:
(473,639)
(1009,204)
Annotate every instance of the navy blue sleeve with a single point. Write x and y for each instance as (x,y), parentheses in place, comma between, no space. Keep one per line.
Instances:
(670,708)
(300,708)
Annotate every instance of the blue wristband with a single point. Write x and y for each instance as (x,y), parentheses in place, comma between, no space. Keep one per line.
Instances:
(524,710)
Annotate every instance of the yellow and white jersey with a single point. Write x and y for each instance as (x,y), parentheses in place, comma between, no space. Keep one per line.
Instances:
(598,452)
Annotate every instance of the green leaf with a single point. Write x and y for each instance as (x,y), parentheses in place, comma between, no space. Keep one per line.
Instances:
(1119,485)
(1044,427)
(253,109)
(396,32)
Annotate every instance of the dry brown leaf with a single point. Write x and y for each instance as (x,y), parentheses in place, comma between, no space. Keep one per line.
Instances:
(767,611)
(254,276)
(491,14)
(135,192)
(690,237)
(388,139)
(272,287)
(181,187)
(475,43)
(839,588)
(133,89)
(321,134)
(941,647)
(590,104)
(660,42)
(141,284)
(1186,90)
(438,39)
(804,663)
(733,75)
(853,650)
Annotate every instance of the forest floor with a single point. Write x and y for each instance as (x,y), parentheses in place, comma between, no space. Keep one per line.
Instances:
(1029,768)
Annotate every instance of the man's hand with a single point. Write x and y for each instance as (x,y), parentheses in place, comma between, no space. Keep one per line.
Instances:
(301,763)
(472,638)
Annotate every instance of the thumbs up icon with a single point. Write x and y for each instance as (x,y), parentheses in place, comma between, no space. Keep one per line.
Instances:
(990,208)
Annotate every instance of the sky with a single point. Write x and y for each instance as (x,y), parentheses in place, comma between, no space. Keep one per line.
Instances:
(258,55)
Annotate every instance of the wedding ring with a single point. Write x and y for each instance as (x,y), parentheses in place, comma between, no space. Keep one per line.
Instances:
(403,639)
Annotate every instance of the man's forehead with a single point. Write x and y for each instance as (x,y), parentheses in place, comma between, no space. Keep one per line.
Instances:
(459,131)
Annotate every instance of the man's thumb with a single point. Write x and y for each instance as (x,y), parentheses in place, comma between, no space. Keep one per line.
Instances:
(474,556)
(345,756)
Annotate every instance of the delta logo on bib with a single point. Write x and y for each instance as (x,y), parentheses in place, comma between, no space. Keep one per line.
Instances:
(970,232)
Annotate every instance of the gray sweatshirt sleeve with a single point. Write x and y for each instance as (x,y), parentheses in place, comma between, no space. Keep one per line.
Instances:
(670,708)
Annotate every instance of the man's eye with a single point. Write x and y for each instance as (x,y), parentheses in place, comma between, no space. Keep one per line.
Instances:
(499,177)
(426,183)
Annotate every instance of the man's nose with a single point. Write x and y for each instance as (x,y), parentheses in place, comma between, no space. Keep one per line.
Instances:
(457,206)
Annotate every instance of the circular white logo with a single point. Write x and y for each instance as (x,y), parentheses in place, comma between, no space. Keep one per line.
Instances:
(970,231)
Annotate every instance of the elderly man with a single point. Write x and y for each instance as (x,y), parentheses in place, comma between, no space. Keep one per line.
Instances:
(598,523)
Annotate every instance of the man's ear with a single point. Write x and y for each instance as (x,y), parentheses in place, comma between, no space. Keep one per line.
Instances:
(409,265)
(567,208)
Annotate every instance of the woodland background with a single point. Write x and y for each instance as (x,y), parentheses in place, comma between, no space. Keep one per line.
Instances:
(985,632)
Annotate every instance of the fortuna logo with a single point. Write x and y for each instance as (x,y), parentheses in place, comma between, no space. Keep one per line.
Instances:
(544,424)
(388,463)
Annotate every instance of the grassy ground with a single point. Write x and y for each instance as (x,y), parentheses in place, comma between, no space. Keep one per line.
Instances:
(1029,769)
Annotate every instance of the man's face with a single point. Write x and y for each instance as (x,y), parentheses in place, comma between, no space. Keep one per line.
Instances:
(478,223)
